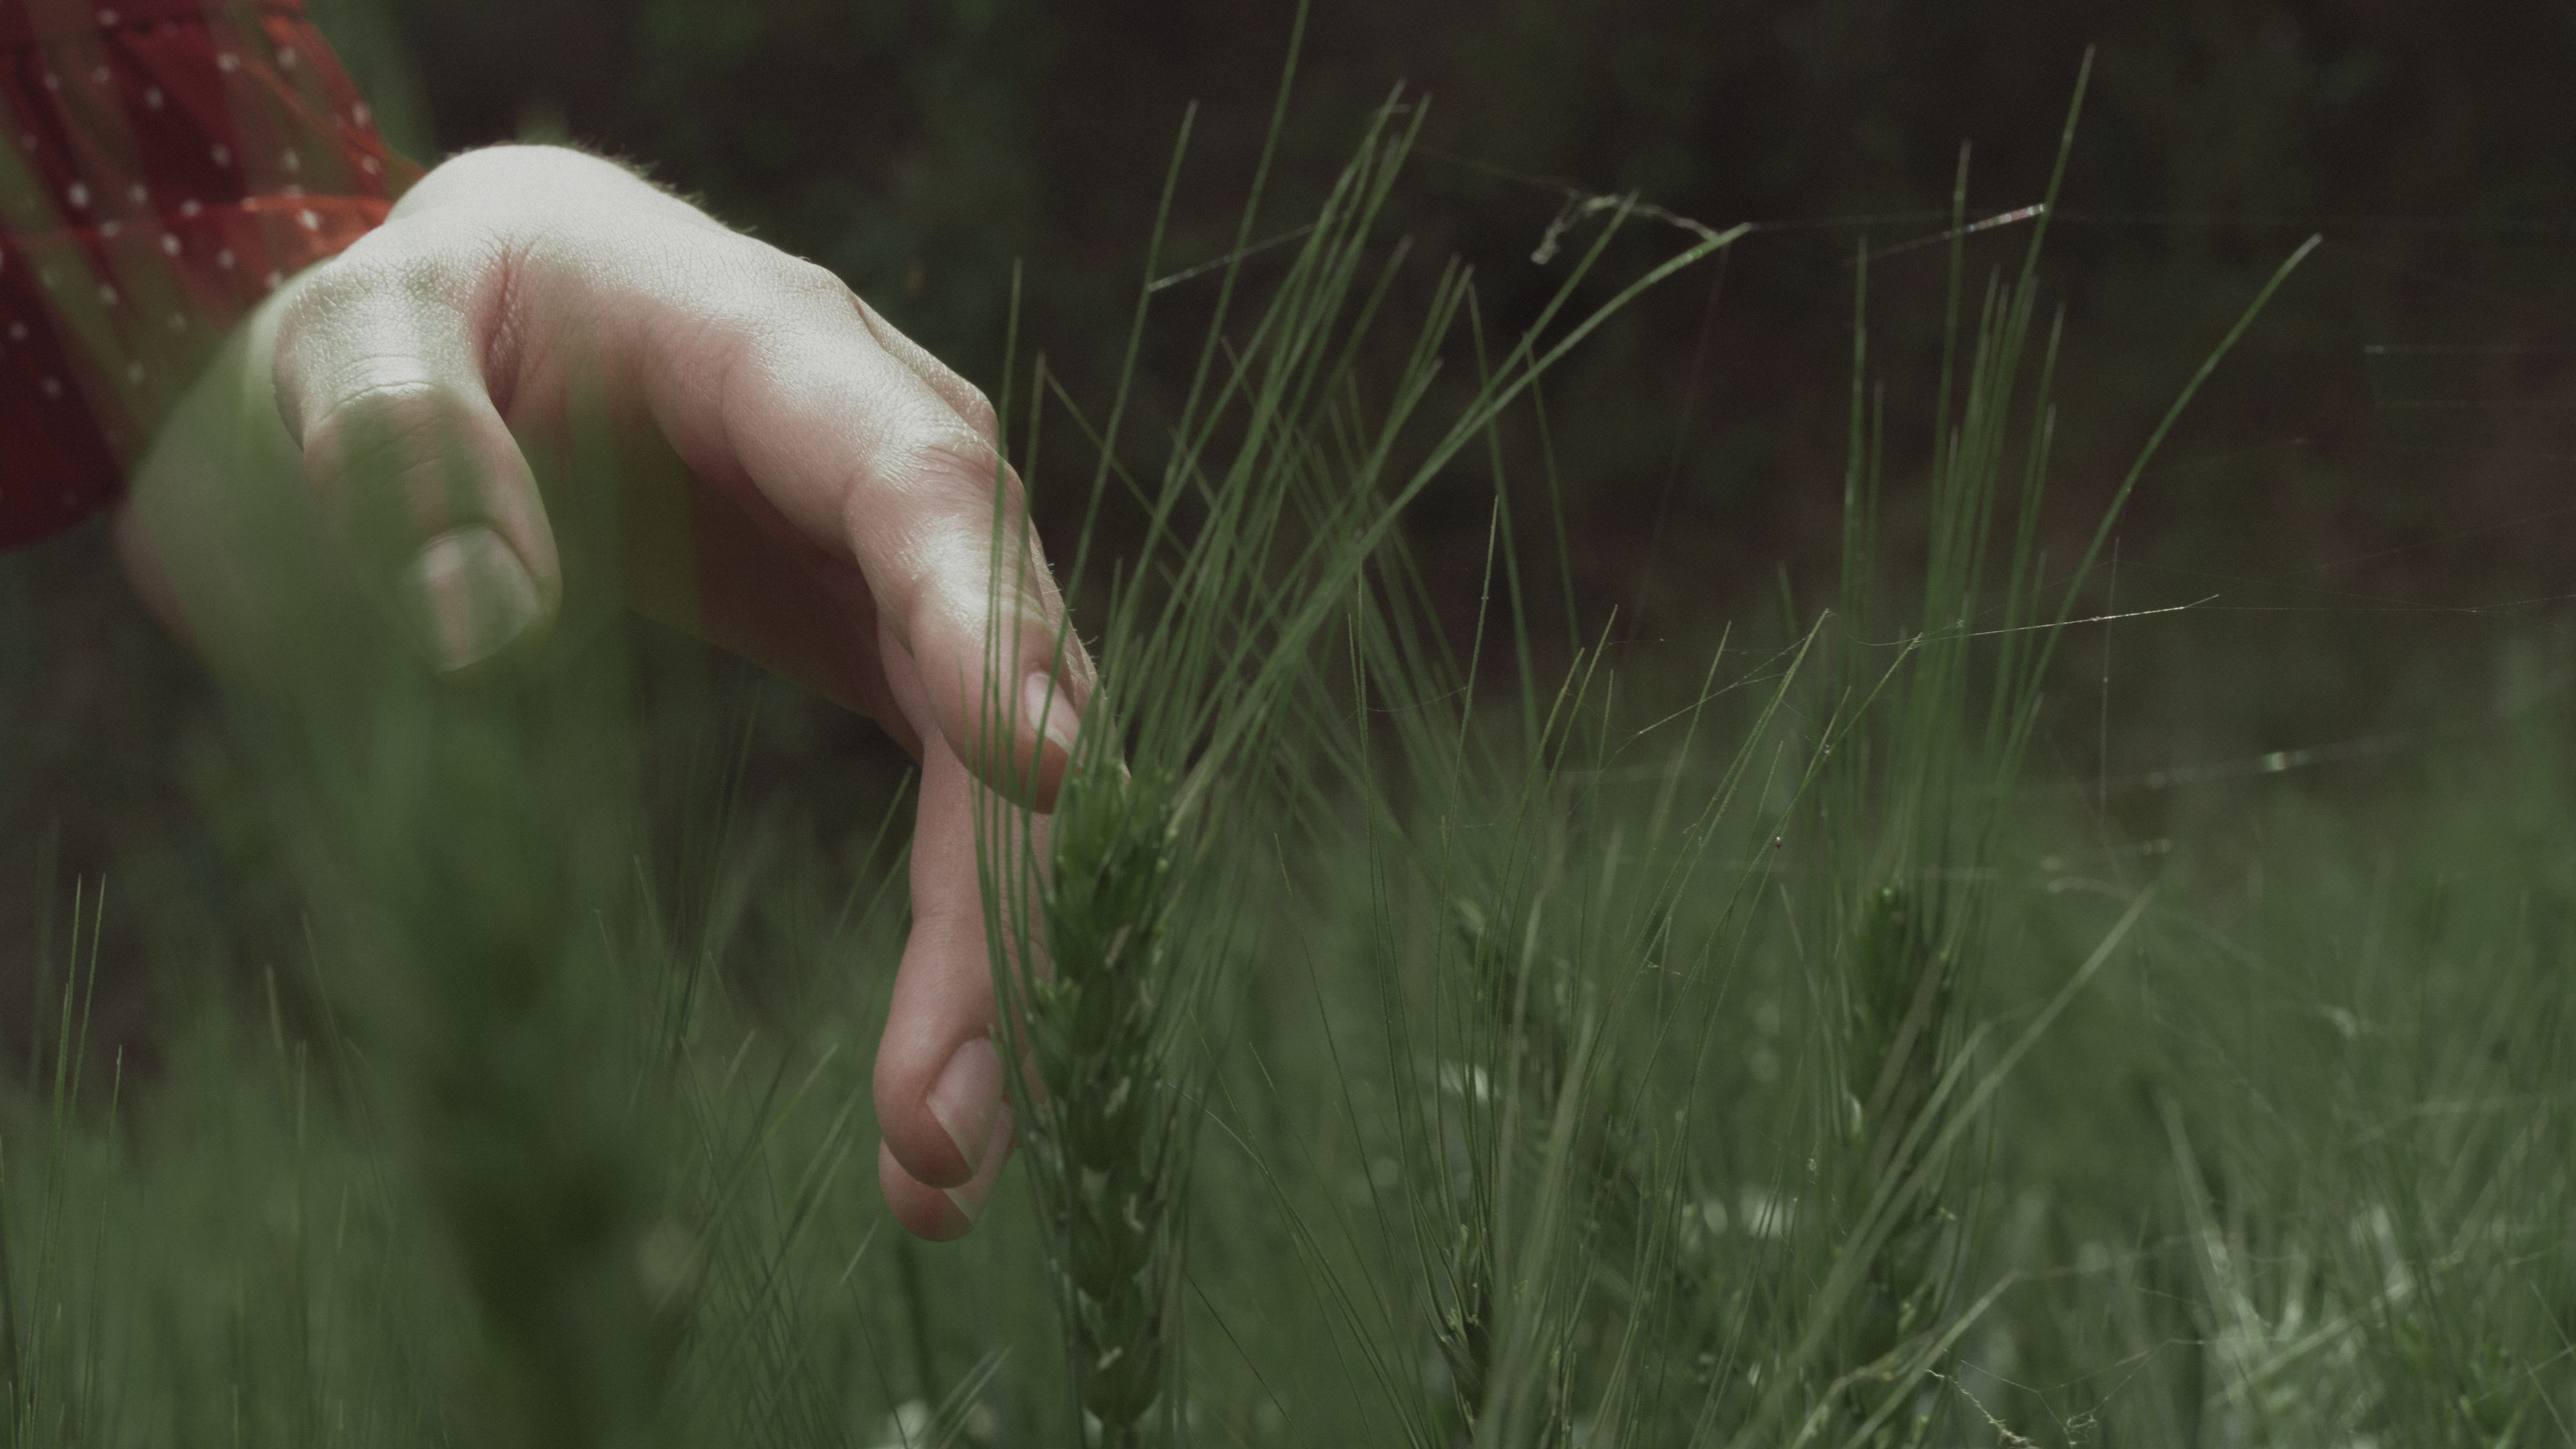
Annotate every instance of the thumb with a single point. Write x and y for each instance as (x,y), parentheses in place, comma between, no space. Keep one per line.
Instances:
(380,378)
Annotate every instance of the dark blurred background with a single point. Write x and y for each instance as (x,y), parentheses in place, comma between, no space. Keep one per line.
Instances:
(2373,488)
(920,149)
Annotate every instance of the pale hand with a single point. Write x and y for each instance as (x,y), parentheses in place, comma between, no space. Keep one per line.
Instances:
(838,486)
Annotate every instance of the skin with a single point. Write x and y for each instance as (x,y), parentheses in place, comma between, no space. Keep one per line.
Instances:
(834,489)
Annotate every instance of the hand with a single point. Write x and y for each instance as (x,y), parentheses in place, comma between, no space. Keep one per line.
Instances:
(838,486)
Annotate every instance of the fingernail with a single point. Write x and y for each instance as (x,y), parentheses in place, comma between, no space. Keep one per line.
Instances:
(472,594)
(1045,700)
(971,1195)
(967,1097)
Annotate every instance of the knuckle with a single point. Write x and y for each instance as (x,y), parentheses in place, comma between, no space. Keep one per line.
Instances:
(779,291)
(929,490)
(397,404)
(380,320)
(811,280)
(951,457)
(394,267)
(383,430)
(973,406)
(766,302)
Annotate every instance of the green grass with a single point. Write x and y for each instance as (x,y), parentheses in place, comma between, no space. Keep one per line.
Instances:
(1744,1049)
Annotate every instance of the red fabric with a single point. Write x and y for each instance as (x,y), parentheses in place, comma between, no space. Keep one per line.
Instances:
(164,165)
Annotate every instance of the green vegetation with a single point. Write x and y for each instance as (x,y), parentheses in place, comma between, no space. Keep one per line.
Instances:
(1417,1048)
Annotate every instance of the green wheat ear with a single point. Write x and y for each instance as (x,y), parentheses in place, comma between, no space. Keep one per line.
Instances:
(1108,1160)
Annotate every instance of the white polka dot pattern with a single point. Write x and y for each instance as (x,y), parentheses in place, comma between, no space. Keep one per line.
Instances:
(174,161)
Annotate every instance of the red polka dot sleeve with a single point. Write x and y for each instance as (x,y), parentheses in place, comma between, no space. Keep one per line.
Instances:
(164,164)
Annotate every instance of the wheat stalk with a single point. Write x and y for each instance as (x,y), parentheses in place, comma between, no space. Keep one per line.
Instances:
(1104,1146)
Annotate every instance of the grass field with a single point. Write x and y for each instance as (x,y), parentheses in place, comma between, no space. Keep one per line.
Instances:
(1749,1047)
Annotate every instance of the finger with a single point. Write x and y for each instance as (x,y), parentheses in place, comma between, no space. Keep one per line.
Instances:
(856,450)
(963,397)
(926,1211)
(381,380)
(940,1088)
